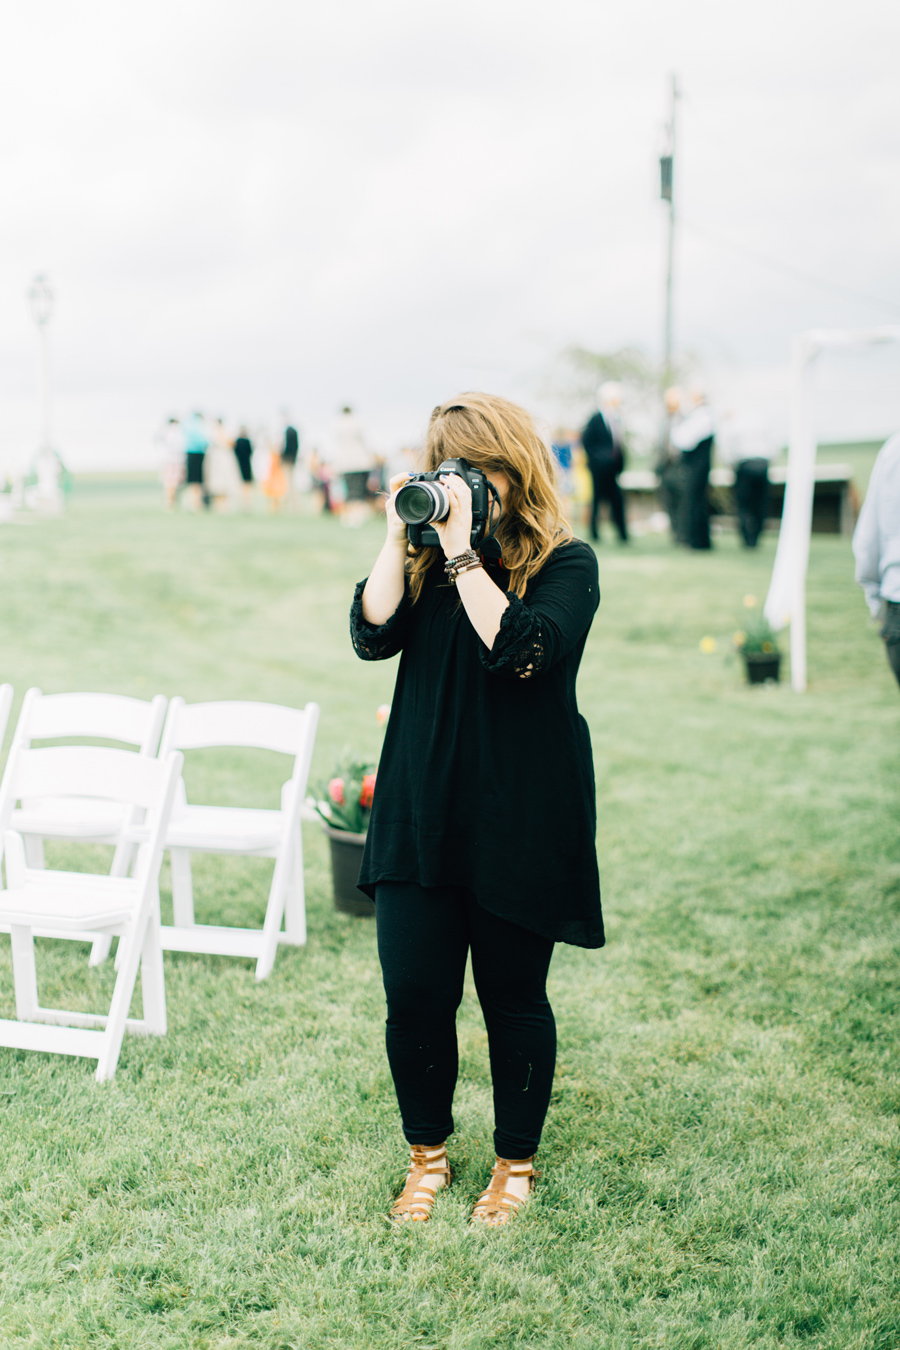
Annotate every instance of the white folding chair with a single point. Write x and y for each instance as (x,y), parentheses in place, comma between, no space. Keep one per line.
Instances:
(6,698)
(76,905)
(228,829)
(111,717)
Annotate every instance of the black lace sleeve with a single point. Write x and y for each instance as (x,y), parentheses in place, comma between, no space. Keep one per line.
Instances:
(377,643)
(519,646)
(556,613)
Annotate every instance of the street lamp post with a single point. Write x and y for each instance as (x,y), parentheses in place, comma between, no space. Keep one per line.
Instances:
(40,301)
(667,193)
(46,494)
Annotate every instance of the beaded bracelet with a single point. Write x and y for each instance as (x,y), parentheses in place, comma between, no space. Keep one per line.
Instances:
(463,562)
(470,567)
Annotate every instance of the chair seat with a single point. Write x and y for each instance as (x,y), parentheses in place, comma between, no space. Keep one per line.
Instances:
(70,818)
(69,901)
(224,829)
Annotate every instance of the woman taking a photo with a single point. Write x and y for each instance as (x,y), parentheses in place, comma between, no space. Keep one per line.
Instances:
(481,836)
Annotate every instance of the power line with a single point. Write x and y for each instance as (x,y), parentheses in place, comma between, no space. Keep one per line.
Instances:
(788,269)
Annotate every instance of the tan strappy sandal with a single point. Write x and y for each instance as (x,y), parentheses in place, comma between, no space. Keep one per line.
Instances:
(415,1202)
(497,1205)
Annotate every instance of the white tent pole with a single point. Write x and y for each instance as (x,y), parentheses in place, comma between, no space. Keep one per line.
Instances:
(802,489)
(786,601)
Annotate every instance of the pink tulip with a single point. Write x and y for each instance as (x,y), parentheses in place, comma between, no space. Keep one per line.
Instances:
(336,791)
(382,714)
(368,791)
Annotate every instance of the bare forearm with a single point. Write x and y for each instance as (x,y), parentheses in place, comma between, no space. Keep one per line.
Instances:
(484,603)
(385,586)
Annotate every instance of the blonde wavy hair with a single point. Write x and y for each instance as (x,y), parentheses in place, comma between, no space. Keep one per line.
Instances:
(496,436)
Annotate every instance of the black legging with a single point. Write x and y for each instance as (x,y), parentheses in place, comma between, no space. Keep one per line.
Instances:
(424,936)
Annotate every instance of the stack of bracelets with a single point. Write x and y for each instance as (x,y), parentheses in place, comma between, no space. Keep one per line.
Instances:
(463,562)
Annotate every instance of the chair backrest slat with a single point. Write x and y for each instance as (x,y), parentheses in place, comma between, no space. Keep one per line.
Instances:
(87,771)
(113,717)
(262,726)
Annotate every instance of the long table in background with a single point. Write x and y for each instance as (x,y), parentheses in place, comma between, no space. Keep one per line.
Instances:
(835,501)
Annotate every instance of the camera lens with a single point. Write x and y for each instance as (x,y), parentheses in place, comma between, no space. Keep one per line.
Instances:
(419,503)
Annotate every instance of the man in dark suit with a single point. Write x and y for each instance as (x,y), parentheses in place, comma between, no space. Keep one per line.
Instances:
(602,443)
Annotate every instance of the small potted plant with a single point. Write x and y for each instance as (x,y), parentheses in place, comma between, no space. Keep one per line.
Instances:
(345,808)
(757,644)
(345,805)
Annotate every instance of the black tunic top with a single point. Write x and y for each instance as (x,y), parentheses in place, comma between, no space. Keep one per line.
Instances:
(486,779)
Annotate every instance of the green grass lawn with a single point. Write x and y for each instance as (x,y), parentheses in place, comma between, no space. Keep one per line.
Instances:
(720,1164)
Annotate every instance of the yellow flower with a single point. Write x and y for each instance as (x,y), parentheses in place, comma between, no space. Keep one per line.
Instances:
(750,602)
(768,647)
(739,638)
(708,645)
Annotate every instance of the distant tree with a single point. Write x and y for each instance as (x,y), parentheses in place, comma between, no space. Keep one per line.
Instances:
(577,374)
(628,366)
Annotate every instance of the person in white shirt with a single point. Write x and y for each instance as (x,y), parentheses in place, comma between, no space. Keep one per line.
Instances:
(170,440)
(876,547)
(352,460)
(694,437)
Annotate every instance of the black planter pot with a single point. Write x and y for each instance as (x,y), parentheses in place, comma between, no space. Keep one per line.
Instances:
(762,666)
(346,860)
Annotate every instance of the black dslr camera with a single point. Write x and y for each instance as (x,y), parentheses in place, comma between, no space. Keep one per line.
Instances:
(423,498)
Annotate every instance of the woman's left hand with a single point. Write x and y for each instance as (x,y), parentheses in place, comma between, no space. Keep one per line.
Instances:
(455,533)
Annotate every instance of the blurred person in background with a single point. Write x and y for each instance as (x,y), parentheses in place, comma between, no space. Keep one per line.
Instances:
(747,445)
(196,442)
(603,445)
(220,473)
(172,469)
(290,448)
(562,446)
(351,458)
(320,480)
(669,467)
(694,438)
(302,487)
(243,454)
(876,547)
(290,440)
(377,484)
(274,485)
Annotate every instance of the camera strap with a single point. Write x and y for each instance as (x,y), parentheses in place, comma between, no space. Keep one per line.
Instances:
(490,551)
(490,545)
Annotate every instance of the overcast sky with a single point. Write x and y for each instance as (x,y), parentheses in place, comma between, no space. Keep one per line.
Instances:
(243,205)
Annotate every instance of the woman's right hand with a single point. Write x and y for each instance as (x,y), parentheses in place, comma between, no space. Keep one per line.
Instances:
(395,526)
(387,580)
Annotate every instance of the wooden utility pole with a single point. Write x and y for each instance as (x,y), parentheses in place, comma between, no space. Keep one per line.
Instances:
(667,193)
